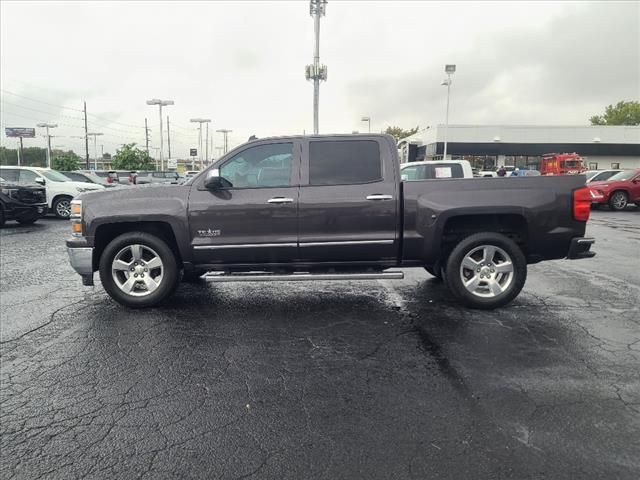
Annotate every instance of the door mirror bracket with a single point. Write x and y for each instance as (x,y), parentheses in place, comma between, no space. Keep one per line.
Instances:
(214,181)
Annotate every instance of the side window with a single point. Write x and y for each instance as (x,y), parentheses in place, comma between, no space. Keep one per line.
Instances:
(344,162)
(27,176)
(75,177)
(10,174)
(260,166)
(410,173)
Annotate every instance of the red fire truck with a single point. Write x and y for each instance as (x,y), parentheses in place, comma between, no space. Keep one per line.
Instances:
(561,164)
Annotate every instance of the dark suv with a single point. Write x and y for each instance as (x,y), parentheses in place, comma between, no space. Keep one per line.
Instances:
(24,203)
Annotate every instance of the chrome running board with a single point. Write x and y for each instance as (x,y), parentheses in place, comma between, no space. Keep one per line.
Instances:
(297,277)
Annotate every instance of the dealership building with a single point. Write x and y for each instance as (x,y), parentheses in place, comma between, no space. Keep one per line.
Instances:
(488,147)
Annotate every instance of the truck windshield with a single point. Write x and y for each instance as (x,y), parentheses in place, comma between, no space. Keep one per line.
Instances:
(55,176)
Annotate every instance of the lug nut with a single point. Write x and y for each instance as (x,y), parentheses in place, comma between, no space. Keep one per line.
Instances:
(135,263)
(135,275)
(492,270)
(146,269)
(142,274)
(132,269)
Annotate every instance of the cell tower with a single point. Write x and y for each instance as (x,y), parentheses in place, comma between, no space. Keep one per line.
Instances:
(316,72)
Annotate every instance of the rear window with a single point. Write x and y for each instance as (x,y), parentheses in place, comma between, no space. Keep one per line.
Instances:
(344,162)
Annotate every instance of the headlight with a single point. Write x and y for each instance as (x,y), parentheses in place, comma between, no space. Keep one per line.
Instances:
(83,189)
(76,218)
(10,192)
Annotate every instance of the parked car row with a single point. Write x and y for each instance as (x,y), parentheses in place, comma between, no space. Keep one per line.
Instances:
(617,191)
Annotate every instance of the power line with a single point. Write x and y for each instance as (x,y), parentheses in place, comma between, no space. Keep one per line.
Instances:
(40,101)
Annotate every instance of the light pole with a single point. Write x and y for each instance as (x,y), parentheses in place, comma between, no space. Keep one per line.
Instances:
(95,136)
(316,72)
(368,120)
(225,132)
(48,126)
(200,121)
(449,70)
(160,103)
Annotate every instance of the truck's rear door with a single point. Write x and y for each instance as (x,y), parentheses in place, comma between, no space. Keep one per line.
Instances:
(349,206)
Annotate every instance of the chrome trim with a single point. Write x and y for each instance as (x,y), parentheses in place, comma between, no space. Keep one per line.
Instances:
(81,259)
(298,277)
(587,240)
(377,196)
(347,242)
(280,200)
(243,245)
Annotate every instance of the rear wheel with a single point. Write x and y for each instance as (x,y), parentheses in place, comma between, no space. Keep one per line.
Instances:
(486,270)
(62,207)
(618,200)
(138,270)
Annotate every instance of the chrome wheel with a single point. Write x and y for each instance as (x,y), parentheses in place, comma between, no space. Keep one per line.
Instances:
(487,271)
(137,270)
(619,200)
(63,208)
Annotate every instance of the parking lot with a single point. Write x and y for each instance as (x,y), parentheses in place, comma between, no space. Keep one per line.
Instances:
(380,379)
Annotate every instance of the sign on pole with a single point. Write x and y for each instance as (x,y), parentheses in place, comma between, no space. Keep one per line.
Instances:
(172,163)
(20,132)
(193,152)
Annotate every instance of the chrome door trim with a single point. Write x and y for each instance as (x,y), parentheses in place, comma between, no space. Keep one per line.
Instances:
(347,242)
(280,200)
(243,245)
(377,196)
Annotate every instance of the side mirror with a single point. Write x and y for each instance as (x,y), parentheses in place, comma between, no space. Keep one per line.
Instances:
(214,181)
(40,180)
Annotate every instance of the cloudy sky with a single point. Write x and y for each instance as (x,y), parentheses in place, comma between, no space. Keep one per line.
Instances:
(242,65)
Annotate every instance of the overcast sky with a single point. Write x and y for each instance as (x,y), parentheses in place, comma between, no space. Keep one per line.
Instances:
(242,65)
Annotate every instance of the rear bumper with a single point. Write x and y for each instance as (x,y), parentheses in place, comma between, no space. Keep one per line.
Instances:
(81,259)
(581,248)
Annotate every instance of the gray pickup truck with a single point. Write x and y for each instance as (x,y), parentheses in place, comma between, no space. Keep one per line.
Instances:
(326,208)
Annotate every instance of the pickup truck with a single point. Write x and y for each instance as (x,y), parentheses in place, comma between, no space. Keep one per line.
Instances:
(328,207)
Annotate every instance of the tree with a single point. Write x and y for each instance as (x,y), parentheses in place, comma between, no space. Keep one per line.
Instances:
(130,157)
(399,133)
(65,161)
(623,113)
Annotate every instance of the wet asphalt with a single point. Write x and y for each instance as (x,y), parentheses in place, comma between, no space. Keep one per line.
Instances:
(377,379)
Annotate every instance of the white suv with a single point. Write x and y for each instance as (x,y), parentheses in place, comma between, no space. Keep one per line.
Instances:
(60,189)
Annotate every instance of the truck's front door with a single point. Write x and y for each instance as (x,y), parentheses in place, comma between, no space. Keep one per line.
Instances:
(255,219)
(348,201)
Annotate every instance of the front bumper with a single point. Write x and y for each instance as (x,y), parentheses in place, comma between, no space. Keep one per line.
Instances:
(81,259)
(18,209)
(598,197)
(581,248)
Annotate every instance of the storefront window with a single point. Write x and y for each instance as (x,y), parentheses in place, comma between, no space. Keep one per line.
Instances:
(615,166)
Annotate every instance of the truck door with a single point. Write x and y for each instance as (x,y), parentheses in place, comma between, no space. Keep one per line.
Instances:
(348,201)
(255,219)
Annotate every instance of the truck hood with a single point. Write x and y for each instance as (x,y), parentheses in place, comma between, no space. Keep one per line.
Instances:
(138,193)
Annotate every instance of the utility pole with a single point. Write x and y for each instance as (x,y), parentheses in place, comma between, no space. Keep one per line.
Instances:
(449,70)
(146,136)
(102,155)
(316,72)
(95,136)
(200,121)
(47,126)
(86,136)
(168,138)
(224,131)
(206,155)
(160,103)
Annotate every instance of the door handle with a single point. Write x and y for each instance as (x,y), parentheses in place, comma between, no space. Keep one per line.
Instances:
(378,196)
(280,200)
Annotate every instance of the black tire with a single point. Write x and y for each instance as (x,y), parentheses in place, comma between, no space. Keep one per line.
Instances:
(618,200)
(454,276)
(28,219)
(62,207)
(170,271)
(1,217)
(595,206)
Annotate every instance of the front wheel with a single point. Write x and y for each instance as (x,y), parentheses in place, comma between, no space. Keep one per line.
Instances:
(62,207)
(618,201)
(486,270)
(138,270)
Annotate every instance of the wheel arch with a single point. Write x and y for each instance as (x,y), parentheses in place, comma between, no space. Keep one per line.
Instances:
(106,232)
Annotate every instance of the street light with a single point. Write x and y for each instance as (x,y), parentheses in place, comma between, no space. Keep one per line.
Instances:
(368,120)
(48,126)
(95,135)
(224,131)
(449,70)
(160,103)
(200,121)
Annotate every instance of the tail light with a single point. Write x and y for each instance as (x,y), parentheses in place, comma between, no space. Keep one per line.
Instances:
(109,179)
(581,204)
